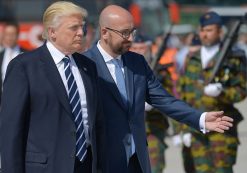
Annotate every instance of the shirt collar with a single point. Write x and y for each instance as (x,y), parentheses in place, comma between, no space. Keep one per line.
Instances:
(107,57)
(213,48)
(16,48)
(55,53)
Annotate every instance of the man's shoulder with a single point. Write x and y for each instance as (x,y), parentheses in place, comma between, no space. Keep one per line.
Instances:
(133,54)
(32,53)
(91,52)
(237,52)
(133,57)
(83,58)
(84,62)
(31,56)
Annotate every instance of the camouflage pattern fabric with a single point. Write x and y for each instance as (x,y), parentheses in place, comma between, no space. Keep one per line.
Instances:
(156,148)
(156,126)
(188,162)
(214,152)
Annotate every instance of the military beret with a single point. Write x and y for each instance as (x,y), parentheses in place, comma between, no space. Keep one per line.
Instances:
(210,18)
(140,38)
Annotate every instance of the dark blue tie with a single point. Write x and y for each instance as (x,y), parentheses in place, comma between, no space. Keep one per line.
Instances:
(74,99)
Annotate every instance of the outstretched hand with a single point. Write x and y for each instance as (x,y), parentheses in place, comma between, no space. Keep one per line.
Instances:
(217,121)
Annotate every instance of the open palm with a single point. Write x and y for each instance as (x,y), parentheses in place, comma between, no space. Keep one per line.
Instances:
(217,121)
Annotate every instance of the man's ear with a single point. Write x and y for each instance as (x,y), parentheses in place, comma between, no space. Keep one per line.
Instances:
(52,32)
(104,33)
(222,32)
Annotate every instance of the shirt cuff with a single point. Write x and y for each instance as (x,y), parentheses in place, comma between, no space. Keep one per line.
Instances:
(203,123)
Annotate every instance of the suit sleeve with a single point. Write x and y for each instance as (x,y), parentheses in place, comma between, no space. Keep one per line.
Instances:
(14,118)
(158,97)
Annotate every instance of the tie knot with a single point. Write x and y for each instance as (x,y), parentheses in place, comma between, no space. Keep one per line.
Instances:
(116,62)
(66,59)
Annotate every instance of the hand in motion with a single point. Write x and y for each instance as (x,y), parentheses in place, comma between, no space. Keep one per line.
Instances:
(217,121)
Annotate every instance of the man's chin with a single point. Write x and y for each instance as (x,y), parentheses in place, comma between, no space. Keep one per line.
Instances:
(78,47)
(126,49)
(207,44)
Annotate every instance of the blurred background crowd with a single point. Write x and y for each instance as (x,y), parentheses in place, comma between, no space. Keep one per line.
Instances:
(167,34)
(152,17)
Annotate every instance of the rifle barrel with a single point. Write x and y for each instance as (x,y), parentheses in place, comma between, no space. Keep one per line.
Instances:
(230,38)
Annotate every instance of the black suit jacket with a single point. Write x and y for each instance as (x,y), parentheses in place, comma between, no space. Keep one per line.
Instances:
(141,86)
(1,62)
(37,130)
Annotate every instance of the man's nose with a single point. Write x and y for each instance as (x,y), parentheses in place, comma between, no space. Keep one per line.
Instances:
(80,31)
(131,37)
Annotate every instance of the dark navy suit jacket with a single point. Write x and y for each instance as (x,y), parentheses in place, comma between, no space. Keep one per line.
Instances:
(37,130)
(141,85)
(1,62)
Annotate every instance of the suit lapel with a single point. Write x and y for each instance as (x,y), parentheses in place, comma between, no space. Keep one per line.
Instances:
(106,76)
(54,77)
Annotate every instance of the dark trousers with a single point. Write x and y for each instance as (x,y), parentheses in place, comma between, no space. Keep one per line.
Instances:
(86,165)
(134,165)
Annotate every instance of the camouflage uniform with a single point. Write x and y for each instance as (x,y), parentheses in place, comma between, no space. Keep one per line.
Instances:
(188,163)
(215,152)
(156,126)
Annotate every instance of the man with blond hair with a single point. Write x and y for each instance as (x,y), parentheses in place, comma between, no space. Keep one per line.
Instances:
(50,114)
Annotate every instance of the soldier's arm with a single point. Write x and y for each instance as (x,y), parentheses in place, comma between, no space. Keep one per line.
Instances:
(234,80)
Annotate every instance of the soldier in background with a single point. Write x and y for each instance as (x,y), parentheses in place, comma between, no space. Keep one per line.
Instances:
(242,39)
(11,48)
(213,152)
(156,122)
(180,138)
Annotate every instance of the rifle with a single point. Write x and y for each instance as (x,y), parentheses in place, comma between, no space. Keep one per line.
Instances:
(155,62)
(226,48)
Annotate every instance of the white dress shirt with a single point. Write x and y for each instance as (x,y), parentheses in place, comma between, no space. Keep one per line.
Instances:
(207,54)
(9,54)
(58,59)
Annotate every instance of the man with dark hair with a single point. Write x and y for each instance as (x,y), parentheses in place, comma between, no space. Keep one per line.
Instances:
(11,48)
(213,152)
